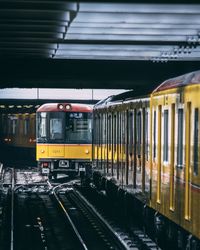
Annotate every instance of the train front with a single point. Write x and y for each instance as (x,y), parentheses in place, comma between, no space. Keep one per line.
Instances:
(64,138)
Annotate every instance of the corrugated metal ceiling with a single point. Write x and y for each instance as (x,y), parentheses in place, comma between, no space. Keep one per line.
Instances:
(96,30)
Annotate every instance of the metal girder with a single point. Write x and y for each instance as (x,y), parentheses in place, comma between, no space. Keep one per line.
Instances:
(35,45)
(124,7)
(131,31)
(125,37)
(39,4)
(33,28)
(96,30)
(139,18)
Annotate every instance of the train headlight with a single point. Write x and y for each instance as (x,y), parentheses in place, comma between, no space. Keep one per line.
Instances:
(60,106)
(68,107)
(87,151)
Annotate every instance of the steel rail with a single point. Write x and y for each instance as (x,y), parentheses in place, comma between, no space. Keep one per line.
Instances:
(66,214)
(1,172)
(12,211)
(113,233)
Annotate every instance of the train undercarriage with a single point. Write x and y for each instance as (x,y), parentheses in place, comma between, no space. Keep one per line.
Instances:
(166,233)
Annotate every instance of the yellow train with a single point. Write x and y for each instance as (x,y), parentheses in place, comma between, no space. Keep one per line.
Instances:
(149,147)
(64,138)
(17,135)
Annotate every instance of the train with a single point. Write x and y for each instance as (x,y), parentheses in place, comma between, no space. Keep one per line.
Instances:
(34,135)
(147,147)
(144,147)
(17,135)
(64,139)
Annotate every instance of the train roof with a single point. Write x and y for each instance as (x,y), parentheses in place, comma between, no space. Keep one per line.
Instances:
(180,81)
(117,99)
(64,107)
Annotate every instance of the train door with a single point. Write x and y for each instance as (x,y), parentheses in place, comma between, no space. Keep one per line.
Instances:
(172,164)
(134,150)
(99,152)
(139,150)
(114,145)
(109,143)
(104,143)
(130,147)
(123,149)
(119,169)
(143,139)
(126,146)
(118,142)
(159,169)
(187,206)
(95,140)
(146,148)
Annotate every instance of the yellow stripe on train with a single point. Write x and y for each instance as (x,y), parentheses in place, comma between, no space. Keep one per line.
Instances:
(66,151)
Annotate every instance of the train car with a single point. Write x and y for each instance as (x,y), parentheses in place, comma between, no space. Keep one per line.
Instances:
(18,134)
(149,147)
(64,138)
(175,108)
(121,141)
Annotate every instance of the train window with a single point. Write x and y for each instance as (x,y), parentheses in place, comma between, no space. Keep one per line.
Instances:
(26,126)
(14,126)
(180,138)
(154,134)
(42,125)
(78,127)
(130,139)
(115,133)
(123,131)
(109,131)
(146,135)
(196,139)
(138,135)
(5,127)
(166,135)
(100,129)
(56,129)
(96,130)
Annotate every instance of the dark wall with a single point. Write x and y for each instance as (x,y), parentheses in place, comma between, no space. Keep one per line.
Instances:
(52,73)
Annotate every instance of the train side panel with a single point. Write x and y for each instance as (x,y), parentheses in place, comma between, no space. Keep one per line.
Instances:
(175,189)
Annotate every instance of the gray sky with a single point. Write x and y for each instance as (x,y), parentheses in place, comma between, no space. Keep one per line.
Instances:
(73,94)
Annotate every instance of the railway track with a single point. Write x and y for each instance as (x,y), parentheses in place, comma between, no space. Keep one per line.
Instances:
(91,228)
(43,217)
(57,217)
(133,236)
(40,225)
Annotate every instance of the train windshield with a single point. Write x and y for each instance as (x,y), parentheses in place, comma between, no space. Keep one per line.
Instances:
(78,127)
(64,127)
(50,126)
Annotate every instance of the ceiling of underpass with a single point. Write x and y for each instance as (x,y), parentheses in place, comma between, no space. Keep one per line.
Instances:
(127,44)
